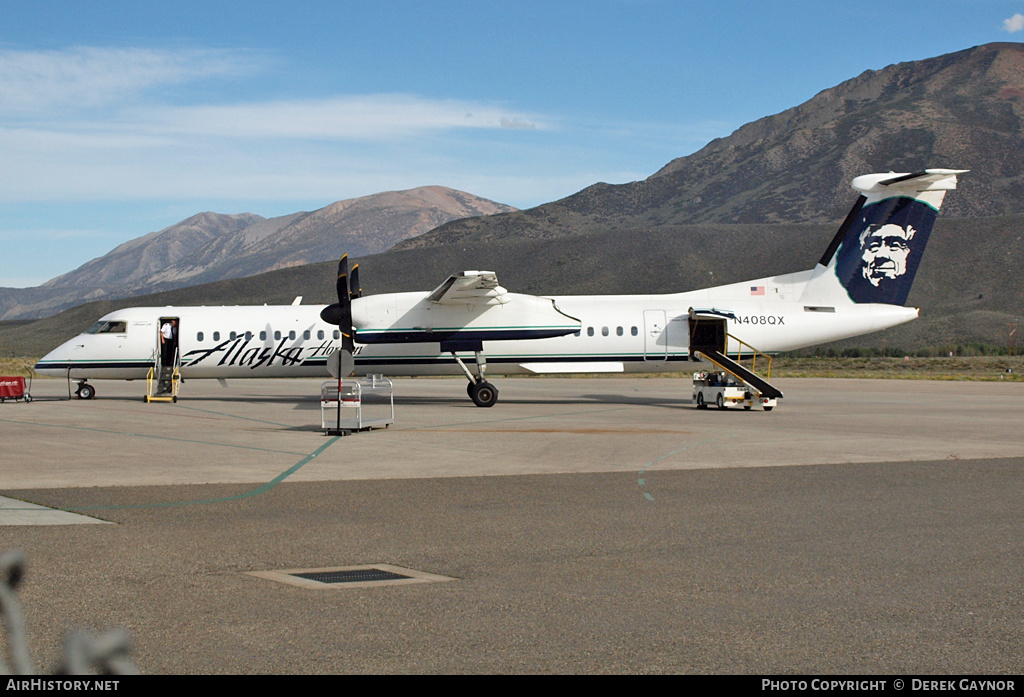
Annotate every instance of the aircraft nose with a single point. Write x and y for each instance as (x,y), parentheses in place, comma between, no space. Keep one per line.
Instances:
(57,361)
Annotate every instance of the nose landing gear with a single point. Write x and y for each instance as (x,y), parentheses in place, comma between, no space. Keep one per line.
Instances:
(85,390)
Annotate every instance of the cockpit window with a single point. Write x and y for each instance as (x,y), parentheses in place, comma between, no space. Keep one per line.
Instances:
(108,327)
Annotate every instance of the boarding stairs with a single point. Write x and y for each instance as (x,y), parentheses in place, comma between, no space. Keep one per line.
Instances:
(709,341)
(162,381)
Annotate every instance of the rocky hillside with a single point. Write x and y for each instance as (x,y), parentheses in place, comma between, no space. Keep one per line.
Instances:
(963,110)
(136,261)
(210,247)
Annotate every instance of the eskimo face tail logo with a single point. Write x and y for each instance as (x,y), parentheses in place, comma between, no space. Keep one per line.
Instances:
(884,252)
(880,254)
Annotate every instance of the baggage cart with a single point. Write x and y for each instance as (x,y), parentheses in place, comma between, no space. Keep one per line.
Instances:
(13,387)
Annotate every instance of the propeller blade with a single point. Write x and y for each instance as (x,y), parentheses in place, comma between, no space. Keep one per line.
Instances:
(355,290)
(348,343)
(343,289)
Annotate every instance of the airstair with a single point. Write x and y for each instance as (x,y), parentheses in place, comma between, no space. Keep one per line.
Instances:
(162,381)
(709,342)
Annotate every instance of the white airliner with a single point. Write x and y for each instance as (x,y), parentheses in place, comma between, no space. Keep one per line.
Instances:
(859,286)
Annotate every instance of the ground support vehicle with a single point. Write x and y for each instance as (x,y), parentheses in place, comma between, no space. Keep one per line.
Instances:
(723,390)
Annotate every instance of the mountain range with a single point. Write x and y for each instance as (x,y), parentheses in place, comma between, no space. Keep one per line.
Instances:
(763,200)
(212,247)
(963,110)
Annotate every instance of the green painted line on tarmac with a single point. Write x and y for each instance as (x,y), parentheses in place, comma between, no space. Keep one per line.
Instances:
(236,497)
(642,481)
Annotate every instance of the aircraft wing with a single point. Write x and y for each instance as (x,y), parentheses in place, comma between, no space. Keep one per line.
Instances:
(469,306)
(470,287)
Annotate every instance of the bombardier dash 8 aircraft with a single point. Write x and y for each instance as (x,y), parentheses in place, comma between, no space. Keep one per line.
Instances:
(859,286)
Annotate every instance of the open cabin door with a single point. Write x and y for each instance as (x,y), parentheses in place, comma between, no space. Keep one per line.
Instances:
(707,333)
(167,353)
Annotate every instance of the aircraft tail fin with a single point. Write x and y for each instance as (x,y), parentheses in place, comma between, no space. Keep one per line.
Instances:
(874,256)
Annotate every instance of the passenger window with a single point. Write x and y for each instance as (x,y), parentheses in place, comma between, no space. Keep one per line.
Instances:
(263,336)
(320,334)
(199,336)
(590,331)
(604,331)
(634,331)
(232,336)
(618,331)
(576,333)
(216,336)
(337,334)
(277,335)
(291,334)
(248,336)
(305,334)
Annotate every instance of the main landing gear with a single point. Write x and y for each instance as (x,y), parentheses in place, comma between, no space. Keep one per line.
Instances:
(85,390)
(483,393)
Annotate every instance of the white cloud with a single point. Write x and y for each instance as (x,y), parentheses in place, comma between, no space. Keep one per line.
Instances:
(1014,24)
(357,117)
(106,124)
(36,82)
(517,123)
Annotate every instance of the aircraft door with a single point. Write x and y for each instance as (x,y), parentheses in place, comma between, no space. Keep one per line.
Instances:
(708,334)
(655,336)
(168,329)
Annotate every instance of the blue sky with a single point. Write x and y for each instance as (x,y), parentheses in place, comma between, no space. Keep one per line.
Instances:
(121,118)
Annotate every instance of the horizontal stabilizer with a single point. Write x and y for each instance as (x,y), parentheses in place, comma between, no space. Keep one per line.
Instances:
(925,180)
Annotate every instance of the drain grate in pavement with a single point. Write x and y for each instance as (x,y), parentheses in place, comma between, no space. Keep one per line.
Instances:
(366,576)
(354,576)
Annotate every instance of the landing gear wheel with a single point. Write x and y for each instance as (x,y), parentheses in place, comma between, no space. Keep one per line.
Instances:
(720,401)
(701,404)
(86,391)
(768,408)
(483,394)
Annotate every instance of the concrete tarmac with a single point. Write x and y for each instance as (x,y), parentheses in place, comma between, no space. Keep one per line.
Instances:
(589,525)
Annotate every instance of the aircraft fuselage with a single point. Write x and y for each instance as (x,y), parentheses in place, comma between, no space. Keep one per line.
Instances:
(632,334)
